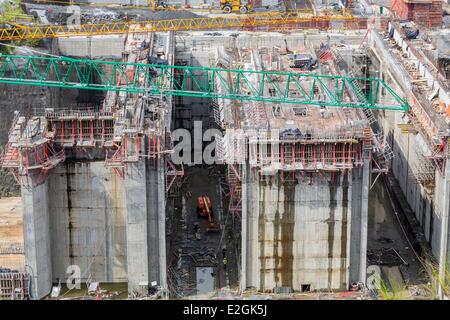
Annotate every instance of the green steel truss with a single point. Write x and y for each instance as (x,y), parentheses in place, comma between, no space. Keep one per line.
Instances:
(265,86)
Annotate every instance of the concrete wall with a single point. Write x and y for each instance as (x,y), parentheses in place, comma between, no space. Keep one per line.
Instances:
(136,225)
(420,199)
(301,234)
(87,216)
(104,47)
(88,222)
(37,238)
(156,229)
(429,204)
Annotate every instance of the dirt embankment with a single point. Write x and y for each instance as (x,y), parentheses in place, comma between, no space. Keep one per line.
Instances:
(11,234)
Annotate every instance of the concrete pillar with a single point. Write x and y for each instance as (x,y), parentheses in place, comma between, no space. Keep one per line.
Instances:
(36,231)
(250,262)
(443,248)
(243,271)
(162,225)
(359,220)
(156,202)
(364,215)
(355,226)
(136,225)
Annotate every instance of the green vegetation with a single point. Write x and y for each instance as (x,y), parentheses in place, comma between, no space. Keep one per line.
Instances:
(438,280)
(11,9)
(392,290)
(11,13)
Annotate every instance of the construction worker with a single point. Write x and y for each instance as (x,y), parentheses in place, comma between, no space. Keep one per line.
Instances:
(197,231)
(224,261)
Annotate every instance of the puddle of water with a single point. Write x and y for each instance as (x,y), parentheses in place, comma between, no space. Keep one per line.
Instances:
(205,279)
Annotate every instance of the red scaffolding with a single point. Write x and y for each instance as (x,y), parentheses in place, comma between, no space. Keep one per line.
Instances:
(14,285)
(30,153)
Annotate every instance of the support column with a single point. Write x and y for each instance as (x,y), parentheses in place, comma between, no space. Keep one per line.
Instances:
(243,271)
(162,225)
(36,231)
(156,206)
(359,218)
(136,225)
(443,251)
(364,214)
(250,213)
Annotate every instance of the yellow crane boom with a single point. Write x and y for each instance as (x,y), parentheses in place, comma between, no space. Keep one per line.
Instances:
(270,19)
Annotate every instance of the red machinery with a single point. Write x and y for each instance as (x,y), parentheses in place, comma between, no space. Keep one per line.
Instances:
(204,209)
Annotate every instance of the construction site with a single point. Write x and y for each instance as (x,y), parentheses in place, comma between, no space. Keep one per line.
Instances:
(225,149)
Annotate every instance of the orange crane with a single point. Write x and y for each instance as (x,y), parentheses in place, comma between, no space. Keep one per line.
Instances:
(204,209)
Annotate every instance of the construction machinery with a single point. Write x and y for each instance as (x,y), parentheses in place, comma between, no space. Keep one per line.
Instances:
(241,6)
(204,206)
(302,61)
(343,7)
(160,5)
(204,209)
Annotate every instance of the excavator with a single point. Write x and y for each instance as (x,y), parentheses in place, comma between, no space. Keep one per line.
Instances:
(204,209)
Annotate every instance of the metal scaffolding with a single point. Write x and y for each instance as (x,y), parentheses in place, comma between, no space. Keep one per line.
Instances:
(15,285)
(30,150)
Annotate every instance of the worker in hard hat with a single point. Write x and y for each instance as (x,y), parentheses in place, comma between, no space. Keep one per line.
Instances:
(224,261)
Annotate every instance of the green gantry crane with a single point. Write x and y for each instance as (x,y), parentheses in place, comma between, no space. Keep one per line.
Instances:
(216,83)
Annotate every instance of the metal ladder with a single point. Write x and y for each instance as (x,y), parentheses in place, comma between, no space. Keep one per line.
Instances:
(385,150)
